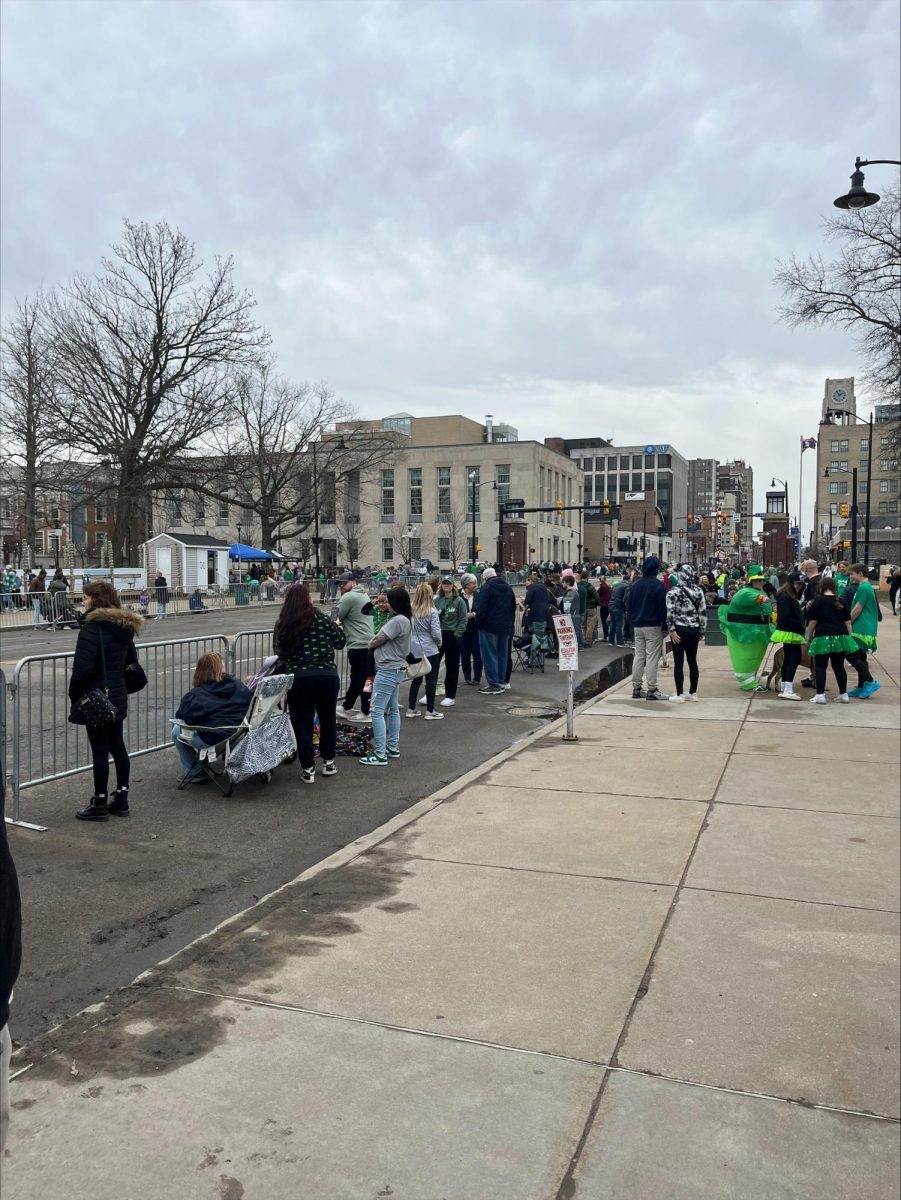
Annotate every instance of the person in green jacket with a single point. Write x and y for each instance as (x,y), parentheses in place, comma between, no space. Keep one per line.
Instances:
(454,616)
(864,620)
(841,576)
(358,630)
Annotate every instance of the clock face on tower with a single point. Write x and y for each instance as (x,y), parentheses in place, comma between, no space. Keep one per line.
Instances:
(839,395)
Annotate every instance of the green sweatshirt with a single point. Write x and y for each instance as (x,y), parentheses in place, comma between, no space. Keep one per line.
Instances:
(453,614)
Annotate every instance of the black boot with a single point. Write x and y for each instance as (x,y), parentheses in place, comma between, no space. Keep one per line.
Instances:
(97,810)
(119,802)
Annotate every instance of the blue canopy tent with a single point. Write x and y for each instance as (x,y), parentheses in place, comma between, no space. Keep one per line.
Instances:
(248,553)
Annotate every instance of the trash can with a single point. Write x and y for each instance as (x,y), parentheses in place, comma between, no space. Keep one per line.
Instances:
(242,594)
(714,635)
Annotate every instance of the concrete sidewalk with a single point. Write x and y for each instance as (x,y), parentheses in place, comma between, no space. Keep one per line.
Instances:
(585,971)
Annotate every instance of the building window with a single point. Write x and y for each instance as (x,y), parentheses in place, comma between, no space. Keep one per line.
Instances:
(53,513)
(843,488)
(884,443)
(223,511)
(99,539)
(833,488)
(888,506)
(664,460)
(864,444)
(862,487)
(199,509)
(415,474)
(99,512)
(638,461)
(444,491)
(502,477)
(388,549)
(863,466)
(888,464)
(624,462)
(474,476)
(387,502)
(444,549)
(838,444)
(883,485)
(414,548)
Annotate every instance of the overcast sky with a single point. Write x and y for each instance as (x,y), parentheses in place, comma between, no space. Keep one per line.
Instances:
(564,214)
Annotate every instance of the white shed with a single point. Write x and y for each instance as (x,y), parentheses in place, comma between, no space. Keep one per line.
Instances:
(188,560)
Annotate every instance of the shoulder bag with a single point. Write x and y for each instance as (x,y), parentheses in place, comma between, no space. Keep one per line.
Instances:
(95,707)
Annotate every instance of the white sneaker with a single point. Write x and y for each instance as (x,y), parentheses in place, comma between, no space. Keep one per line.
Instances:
(506,686)
(789,696)
(423,700)
(675,699)
(433,716)
(844,698)
(692,697)
(818,700)
(412,712)
(447,703)
(364,719)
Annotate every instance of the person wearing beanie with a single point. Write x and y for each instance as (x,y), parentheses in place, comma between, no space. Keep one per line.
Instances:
(686,620)
(495,608)
(647,613)
(746,626)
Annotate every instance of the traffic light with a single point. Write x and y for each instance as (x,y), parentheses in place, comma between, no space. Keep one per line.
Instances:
(689,518)
(558,504)
(724,517)
(605,507)
(843,510)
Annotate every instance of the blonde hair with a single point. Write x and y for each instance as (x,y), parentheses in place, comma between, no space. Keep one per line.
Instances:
(423,600)
(209,669)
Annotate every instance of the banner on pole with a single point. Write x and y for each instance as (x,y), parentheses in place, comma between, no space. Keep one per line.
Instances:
(568,659)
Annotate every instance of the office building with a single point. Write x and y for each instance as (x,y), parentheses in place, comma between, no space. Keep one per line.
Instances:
(736,479)
(702,485)
(843,445)
(621,473)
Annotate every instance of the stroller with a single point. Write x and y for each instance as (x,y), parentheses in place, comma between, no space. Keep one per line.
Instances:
(263,741)
(531,649)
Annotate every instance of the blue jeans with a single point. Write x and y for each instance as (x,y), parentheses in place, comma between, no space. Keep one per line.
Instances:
(617,621)
(385,710)
(186,758)
(494,647)
(471,656)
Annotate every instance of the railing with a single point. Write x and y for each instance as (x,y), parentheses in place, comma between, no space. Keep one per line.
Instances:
(250,647)
(45,746)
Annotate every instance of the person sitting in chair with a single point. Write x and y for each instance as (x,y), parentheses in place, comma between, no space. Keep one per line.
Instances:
(196,604)
(217,702)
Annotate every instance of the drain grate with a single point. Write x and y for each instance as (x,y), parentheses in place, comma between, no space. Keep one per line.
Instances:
(540,712)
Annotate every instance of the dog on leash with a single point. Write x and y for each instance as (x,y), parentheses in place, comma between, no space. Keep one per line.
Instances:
(776,669)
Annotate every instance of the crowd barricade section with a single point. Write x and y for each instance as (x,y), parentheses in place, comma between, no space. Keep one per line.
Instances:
(43,746)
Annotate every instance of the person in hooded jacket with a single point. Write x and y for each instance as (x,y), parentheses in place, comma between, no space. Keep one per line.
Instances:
(217,701)
(647,612)
(107,635)
(495,608)
(686,620)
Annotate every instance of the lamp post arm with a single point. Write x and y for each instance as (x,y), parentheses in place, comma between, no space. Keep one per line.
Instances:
(875,162)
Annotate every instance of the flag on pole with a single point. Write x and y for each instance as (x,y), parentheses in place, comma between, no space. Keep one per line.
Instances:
(808,444)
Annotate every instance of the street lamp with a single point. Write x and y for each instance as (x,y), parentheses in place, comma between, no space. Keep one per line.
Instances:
(473,477)
(857,195)
(317,540)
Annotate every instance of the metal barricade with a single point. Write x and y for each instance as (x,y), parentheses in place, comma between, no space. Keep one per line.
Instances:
(251,646)
(46,747)
(4,759)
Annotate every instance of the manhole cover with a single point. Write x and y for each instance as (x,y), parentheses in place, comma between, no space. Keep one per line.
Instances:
(540,712)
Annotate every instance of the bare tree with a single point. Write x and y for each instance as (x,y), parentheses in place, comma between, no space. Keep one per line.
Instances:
(279,456)
(454,526)
(30,410)
(859,290)
(351,536)
(147,352)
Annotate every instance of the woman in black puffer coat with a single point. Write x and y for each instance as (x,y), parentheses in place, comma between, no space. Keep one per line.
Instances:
(107,620)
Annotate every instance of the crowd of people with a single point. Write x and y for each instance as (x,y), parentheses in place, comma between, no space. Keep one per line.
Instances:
(398,644)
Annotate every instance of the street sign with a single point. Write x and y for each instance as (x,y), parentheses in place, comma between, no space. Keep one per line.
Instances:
(634,496)
(568,659)
(520,503)
(762,516)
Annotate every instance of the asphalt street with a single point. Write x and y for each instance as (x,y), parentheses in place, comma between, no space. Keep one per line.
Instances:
(104,902)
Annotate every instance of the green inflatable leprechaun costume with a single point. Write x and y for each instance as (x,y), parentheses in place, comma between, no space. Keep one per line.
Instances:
(746,624)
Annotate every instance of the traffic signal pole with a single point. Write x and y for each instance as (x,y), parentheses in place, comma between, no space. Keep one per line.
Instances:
(854,516)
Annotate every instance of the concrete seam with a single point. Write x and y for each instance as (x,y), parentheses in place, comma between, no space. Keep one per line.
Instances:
(567,1186)
(694,887)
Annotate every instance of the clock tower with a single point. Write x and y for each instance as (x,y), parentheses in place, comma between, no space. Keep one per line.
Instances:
(838,398)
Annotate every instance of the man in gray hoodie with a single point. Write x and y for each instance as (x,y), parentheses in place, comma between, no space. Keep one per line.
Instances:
(357,628)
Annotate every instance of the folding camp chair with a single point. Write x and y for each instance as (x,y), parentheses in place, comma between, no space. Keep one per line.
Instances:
(262,742)
(529,651)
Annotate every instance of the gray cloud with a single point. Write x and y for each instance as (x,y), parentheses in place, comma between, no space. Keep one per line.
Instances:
(566,214)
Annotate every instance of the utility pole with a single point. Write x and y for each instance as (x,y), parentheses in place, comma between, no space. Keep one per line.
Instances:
(854,516)
(866,544)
